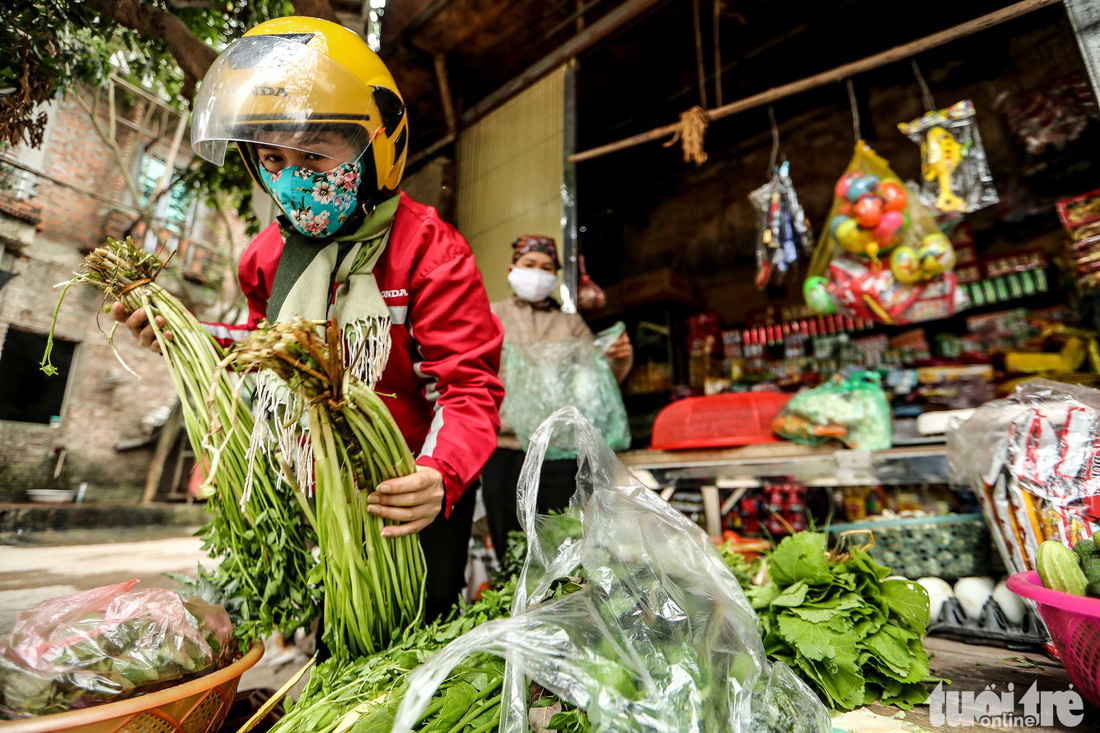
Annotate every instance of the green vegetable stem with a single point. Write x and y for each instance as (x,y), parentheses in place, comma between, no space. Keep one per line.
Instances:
(262,539)
(374,585)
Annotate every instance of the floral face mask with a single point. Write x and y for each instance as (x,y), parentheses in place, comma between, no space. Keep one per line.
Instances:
(317,204)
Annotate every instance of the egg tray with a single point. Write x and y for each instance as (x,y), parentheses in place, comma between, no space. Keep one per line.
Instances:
(991,627)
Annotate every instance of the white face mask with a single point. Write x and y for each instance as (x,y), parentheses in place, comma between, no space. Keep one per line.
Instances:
(532,285)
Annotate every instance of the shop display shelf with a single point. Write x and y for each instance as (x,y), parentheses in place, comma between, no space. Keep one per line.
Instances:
(749,467)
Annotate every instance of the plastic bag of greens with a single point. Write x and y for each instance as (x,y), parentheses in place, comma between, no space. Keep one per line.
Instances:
(853,410)
(105,644)
(542,378)
(660,638)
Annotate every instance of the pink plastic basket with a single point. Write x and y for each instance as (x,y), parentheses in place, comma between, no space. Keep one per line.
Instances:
(1074,626)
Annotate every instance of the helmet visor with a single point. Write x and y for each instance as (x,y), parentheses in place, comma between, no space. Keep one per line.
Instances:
(275,90)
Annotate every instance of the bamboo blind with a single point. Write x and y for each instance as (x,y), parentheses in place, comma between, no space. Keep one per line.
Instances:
(510,177)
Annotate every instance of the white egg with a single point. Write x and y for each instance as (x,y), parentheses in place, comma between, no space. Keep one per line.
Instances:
(1010,603)
(972,593)
(939,591)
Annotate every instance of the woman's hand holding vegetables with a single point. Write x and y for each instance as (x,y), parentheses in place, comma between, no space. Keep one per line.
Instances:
(414,501)
(139,326)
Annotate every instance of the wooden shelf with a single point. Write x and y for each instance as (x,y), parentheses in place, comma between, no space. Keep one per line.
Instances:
(747,467)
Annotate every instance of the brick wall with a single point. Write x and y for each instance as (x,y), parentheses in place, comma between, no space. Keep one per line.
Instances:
(77,155)
(104,404)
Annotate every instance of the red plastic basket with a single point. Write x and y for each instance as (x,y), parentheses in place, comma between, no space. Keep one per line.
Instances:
(718,421)
(1074,626)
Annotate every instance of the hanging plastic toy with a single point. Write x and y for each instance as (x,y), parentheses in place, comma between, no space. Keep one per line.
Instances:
(955,172)
(783,226)
(882,256)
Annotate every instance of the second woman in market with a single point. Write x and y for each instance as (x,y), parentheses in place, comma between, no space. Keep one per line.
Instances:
(322,129)
(530,317)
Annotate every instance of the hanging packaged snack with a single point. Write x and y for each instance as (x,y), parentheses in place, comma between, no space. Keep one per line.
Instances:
(784,230)
(1032,460)
(954,169)
(881,256)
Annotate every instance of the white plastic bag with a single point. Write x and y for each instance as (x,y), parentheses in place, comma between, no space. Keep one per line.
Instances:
(661,638)
(1033,461)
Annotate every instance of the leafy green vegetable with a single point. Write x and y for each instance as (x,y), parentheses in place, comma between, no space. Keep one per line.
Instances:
(853,636)
(53,663)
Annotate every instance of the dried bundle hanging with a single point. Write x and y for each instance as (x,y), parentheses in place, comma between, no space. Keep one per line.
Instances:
(689,133)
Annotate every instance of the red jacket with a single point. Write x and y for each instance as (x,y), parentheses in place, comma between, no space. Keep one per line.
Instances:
(446,343)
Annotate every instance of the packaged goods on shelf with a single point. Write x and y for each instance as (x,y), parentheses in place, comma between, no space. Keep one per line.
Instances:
(1032,461)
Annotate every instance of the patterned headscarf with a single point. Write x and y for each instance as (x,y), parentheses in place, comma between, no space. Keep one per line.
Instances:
(535,243)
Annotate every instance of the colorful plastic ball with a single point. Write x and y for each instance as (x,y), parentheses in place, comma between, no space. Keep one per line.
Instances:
(889,227)
(868,211)
(841,189)
(861,187)
(905,265)
(845,208)
(894,195)
(936,255)
(849,235)
(816,293)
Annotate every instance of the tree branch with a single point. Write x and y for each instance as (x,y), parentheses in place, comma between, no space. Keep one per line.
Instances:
(315,9)
(193,56)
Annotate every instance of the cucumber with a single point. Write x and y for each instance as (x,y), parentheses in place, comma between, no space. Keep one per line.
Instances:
(1058,568)
(1093,589)
(1084,548)
(1091,567)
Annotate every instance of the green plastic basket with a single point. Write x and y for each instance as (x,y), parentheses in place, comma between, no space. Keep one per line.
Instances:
(950,546)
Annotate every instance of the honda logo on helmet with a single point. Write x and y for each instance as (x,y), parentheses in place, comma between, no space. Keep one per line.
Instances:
(263,91)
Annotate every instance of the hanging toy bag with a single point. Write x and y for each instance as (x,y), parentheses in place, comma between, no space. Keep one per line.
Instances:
(880,254)
(783,230)
(955,177)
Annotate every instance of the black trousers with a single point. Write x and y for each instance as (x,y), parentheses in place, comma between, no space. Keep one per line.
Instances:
(499,479)
(446,543)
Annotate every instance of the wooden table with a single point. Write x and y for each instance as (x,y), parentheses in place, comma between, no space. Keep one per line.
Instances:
(972,668)
(739,469)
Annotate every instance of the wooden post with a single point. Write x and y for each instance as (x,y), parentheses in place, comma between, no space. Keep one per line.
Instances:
(169,432)
(445,92)
(839,73)
(712,510)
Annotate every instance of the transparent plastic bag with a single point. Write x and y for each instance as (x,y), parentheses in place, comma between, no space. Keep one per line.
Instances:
(853,410)
(105,644)
(661,638)
(1033,460)
(542,378)
(954,171)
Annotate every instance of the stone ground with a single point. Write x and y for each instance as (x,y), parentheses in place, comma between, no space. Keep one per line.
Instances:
(36,566)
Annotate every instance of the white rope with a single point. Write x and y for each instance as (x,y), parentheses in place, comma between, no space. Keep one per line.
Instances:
(926,93)
(855,111)
(775,142)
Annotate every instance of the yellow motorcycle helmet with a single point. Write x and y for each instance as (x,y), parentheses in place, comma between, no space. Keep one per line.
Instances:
(306,84)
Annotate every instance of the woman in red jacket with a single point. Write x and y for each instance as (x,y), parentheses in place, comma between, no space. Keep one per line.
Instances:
(321,127)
